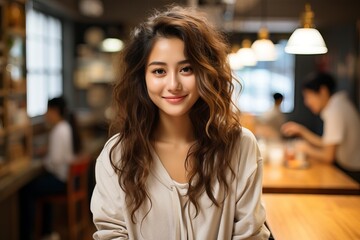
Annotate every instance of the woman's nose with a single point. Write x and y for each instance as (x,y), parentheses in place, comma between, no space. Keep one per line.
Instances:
(173,82)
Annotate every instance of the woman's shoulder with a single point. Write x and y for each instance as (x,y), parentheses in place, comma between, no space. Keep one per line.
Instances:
(247,137)
(111,146)
(104,157)
(246,151)
(244,143)
(112,141)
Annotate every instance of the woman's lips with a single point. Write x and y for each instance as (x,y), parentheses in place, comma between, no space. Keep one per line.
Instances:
(174,99)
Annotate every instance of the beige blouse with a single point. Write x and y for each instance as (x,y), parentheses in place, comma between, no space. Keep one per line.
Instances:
(170,216)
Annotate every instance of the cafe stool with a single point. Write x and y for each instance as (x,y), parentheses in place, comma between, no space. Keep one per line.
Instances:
(75,197)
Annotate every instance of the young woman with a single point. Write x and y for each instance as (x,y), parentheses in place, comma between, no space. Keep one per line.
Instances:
(179,166)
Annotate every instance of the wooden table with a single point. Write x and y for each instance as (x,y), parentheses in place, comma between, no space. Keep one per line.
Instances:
(318,178)
(325,217)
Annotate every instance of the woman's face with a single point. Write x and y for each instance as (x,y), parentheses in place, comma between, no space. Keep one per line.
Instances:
(170,79)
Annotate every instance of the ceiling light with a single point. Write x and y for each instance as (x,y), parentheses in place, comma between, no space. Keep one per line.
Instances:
(234,61)
(306,40)
(246,55)
(264,48)
(112,45)
(91,8)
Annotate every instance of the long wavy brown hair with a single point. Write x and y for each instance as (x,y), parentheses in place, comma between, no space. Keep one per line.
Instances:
(213,116)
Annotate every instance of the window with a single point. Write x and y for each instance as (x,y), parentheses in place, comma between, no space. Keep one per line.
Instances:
(43,60)
(260,82)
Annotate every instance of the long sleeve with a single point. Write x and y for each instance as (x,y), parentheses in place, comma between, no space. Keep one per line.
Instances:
(106,202)
(249,211)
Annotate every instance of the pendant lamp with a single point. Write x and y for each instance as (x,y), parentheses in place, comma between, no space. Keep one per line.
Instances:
(246,54)
(112,45)
(306,40)
(263,47)
(235,61)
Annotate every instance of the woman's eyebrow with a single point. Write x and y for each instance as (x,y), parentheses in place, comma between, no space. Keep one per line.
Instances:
(163,63)
(156,63)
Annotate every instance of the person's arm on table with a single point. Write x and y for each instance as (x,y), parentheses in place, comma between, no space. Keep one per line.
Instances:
(296,129)
(314,146)
(324,153)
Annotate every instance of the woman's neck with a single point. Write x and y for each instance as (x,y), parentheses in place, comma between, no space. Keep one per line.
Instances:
(174,130)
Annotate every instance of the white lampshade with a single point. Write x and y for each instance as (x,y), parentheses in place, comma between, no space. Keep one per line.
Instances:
(234,61)
(264,50)
(112,45)
(306,41)
(246,55)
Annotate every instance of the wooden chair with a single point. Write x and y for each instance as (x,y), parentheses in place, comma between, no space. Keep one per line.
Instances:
(75,198)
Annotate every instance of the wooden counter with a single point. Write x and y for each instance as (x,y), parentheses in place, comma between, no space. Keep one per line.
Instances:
(318,178)
(325,217)
(16,177)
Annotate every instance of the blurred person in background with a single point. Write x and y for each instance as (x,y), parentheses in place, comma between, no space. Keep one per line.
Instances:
(339,143)
(63,144)
(269,123)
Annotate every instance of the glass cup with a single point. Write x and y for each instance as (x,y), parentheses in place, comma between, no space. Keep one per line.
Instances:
(293,157)
(275,153)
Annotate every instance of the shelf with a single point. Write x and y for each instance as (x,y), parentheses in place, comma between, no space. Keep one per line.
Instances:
(18,128)
(20,32)
(17,61)
(17,91)
(15,126)
(18,1)
(2,61)
(4,169)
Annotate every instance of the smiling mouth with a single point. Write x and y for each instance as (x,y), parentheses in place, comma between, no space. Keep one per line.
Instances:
(175,99)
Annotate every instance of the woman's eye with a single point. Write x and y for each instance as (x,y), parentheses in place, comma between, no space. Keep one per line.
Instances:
(187,69)
(158,71)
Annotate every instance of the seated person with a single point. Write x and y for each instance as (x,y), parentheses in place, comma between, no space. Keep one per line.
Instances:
(269,124)
(63,144)
(339,143)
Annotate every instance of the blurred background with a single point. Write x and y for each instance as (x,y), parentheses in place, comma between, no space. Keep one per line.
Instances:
(86,68)
(51,48)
